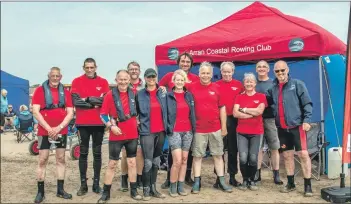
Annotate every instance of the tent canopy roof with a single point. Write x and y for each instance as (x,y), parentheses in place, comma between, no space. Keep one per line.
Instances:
(253,33)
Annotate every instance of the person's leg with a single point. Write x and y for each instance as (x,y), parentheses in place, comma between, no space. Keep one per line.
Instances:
(187,139)
(114,151)
(147,146)
(254,147)
(2,123)
(175,143)
(300,140)
(158,146)
(60,167)
(131,150)
(271,134)
(188,180)
(200,141)
(243,148)
(84,137)
(44,146)
(287,148)
(140,165)
(167,182)
(232,150)
(216,149)
(124,171)
(97,137)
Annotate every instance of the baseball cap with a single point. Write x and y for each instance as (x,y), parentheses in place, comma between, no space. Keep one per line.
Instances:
(150,72)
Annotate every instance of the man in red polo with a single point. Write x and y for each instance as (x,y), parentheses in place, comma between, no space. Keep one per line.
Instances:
(52,107)
(229,89)
(87,92)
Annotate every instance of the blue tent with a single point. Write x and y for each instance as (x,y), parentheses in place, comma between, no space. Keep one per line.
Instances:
(17,90)
(324,78)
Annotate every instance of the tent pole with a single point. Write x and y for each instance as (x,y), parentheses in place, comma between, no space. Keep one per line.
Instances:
(322,109)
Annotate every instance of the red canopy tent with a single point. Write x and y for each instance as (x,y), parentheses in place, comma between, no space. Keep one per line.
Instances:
(255,32)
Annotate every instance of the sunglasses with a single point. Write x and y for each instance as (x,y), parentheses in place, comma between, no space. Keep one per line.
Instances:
(279,70)
(152,76)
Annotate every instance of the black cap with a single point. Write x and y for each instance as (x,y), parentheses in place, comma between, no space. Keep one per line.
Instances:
(150,72)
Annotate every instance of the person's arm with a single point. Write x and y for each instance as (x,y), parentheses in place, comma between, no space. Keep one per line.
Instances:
(79,102)
(223,118)
(269,96)
(254,111)
(65,121)
(105,116)
(238,114)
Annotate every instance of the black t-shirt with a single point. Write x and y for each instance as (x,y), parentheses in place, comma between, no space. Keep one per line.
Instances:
(262,87)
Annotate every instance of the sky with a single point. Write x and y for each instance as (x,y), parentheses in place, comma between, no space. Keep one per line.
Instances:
(36,36)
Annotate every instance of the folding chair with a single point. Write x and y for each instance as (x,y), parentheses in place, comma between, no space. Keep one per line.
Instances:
(315,148)
(24,130)
(266,158)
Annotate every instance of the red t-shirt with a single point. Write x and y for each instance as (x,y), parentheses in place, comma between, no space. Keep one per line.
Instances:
(229,90)
(156,121)
(167,80)
(207,100)
(250,125)
(182,123)
(53,117)
(281,107)
(137,86)
(85,87)
(129,127)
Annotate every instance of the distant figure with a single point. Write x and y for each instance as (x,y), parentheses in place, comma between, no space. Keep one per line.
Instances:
(9,116)
(25,118)
(4,104)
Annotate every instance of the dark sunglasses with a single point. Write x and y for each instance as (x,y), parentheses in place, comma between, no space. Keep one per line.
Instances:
(152,76)
(279,70)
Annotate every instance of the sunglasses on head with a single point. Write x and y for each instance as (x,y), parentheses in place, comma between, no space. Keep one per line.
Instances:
(279,70)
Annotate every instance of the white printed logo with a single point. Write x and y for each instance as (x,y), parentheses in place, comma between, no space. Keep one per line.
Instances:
(98,88)
(292,87)
(256,101)
(234,88)
(211,92)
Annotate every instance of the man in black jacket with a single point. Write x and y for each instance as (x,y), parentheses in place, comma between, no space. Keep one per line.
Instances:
(292,107)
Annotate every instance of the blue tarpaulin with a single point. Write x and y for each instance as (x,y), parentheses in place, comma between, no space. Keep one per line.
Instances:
(17,90)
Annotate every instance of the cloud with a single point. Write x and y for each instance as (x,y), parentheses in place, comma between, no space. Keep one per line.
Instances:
(37,36)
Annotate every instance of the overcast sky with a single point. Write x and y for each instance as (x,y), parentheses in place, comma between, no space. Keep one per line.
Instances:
(36,36)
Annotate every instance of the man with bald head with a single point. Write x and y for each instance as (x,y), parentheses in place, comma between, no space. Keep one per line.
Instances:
(292,107)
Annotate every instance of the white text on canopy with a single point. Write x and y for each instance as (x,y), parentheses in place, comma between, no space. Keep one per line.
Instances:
(233,49)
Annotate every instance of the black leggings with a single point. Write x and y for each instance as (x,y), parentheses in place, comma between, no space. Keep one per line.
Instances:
(97,133)
(151,146)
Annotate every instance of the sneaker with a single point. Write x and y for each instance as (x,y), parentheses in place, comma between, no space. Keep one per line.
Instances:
(252,186)
(244,185)
(308,191)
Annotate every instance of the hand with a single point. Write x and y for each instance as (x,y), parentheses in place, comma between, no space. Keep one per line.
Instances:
(224,131)
(56,130)
(163,89)
(115,130)
(51,132)
(306,127)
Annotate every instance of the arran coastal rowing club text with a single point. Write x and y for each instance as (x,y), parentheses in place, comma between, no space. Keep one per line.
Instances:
(226,50)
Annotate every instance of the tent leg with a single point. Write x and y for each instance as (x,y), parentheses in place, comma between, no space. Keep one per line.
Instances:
(322,110)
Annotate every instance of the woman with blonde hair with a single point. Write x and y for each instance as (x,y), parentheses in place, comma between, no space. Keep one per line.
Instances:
(180,130)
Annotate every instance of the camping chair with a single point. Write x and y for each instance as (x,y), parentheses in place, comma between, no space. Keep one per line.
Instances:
(266,157)
(24,130)
(315,148)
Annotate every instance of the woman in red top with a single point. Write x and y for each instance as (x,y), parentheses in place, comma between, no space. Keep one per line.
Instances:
(248,108)
(180,130)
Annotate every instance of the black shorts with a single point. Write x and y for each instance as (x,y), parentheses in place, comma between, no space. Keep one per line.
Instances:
(43,142)
(115,148)
(290,139)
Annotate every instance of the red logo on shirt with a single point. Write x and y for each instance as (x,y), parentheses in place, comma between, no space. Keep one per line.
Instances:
(211,92)
(98,88)
(234,88)
(256,101)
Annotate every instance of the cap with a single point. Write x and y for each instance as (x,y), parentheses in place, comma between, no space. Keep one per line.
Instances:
(150,72)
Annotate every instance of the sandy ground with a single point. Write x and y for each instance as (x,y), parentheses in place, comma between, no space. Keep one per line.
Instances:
(18,182)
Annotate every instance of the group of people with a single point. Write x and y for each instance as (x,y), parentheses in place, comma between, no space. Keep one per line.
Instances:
(194,113)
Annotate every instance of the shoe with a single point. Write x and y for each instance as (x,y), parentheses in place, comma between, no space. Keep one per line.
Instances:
(276,178)
(134,192)
(188,181)
(308,191)
(223,186)
(244,185)
(180,189)
(166,184)
(39,198)
(104,197)
(146,193)
(96,186)
(288,188)
(63,194)
(252,186)
(173,190)
(196,186)
(155,193)
(233,181)
(124,183)
(83,189)
(257,176)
